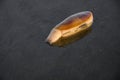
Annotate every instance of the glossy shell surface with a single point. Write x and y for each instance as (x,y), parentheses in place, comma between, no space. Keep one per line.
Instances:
(69,29)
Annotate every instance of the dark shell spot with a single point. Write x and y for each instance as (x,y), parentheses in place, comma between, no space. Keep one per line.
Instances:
(68,22)
(83,26)
(84,16)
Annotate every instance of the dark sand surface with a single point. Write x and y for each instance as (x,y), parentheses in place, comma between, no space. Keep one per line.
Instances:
(24,25)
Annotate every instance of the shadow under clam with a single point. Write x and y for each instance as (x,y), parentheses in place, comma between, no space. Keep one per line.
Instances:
(64,41)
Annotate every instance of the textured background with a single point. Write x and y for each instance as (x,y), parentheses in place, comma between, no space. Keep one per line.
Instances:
(24,25)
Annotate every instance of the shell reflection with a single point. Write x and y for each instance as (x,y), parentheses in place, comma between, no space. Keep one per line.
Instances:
(68,40)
